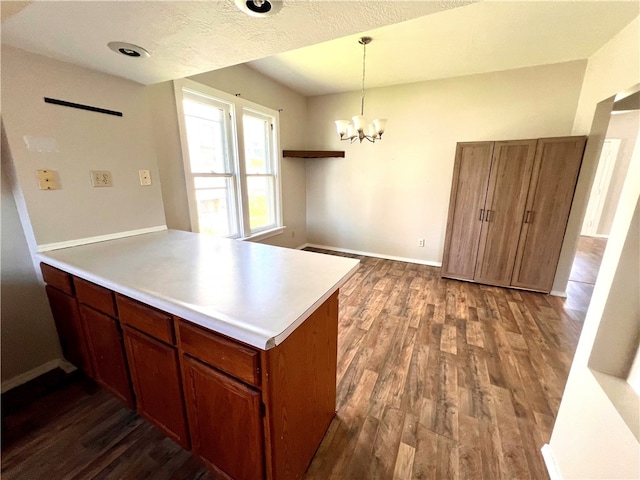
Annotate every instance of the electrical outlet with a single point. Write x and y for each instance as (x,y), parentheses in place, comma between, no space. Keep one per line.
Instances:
(145,177)
(47,179)
(421,242)
(101,178)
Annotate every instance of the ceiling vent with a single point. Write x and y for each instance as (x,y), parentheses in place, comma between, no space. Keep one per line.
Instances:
(259,8)
(128,49)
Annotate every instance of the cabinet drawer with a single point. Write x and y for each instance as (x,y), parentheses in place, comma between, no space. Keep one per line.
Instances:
(147,319)
(95,296)
(57,278)
(231,357)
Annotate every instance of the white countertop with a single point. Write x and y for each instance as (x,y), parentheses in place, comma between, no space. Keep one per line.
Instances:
(254,293)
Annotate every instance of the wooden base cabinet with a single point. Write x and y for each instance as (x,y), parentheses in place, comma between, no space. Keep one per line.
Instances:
(225,416)
(155,373)
(69,325)
(508,211)
(107,351)
(247,413)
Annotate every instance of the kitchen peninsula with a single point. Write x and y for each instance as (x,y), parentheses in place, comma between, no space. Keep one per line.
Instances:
(228,347)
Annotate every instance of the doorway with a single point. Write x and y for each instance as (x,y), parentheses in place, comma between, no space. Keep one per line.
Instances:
(622,135)
(598,197)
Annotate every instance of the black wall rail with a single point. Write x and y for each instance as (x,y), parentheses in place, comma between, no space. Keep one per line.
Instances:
(82,107)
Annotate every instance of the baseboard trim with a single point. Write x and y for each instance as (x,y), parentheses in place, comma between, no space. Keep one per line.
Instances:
(595,235)
(47,247)
(375,255)
(550,463)
(558,293)
(35,373)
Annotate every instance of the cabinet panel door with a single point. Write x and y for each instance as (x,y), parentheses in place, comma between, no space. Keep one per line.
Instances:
(155,374)
(70,329)
(466,209)
(225,421)
(506,199)
(106,347)
(549,201)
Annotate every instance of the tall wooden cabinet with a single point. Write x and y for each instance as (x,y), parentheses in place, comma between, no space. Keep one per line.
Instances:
(508,212)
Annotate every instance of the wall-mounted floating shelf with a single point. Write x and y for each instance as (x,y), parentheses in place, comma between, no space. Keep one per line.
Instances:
(313,153)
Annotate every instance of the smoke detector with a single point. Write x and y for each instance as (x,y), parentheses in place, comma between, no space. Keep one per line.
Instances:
(128,49)
(259,8)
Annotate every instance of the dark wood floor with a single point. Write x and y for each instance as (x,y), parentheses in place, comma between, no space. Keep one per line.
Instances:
(437,379)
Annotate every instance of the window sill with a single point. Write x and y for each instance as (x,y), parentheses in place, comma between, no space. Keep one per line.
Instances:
(256,237)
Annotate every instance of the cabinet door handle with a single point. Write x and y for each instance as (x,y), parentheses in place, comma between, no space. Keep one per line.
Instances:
(486,217)
(527,217)
(481,214)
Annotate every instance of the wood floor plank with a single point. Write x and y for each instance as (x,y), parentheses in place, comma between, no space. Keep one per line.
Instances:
(513,462)
(475,335)
(445,419)
(386,445)
(469,452)
(404,463)
(357,465)
(448,339)
(424,463)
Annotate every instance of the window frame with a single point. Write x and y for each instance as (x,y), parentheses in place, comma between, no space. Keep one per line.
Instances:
(236,108)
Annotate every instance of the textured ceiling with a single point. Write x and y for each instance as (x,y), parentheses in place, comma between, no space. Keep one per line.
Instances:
(478,38)
(186,38)
(311,46)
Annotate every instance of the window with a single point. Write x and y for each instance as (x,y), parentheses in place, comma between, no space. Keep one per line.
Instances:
(229,148)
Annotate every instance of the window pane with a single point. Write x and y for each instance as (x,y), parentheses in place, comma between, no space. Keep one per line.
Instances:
(205,137)
(256,144)
(216,206)
(261,202)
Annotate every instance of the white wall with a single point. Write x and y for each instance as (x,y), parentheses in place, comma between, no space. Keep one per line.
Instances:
(383,197)
(614,67)
(590,438)
(85,141)
(253,86)
(29,338)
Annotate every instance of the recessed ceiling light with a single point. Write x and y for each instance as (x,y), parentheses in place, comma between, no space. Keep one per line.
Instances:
(259,8)
(128,49)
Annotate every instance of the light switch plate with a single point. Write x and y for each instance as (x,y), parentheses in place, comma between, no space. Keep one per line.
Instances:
(145,177)
(47,179)
(101,178)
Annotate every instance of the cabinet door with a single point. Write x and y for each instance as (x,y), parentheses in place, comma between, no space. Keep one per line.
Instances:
(107,350)
(70,329)
(157,384)
(504,210)
(466,209)
(225,421)
(549,201)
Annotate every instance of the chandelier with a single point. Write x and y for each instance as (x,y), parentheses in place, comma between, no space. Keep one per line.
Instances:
(356,130)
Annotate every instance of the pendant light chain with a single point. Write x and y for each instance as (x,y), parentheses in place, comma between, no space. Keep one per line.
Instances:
(364,62)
